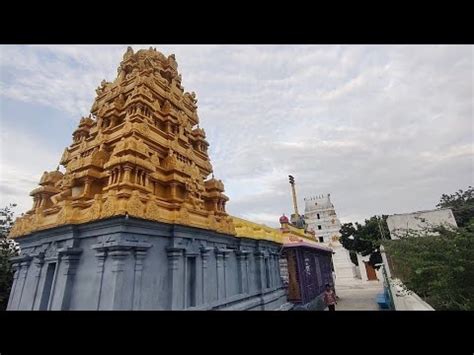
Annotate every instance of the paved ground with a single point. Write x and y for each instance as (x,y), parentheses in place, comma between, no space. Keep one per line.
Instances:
(358,296)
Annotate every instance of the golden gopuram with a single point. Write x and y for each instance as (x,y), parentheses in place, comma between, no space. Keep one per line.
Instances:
(140,152)
(137,221)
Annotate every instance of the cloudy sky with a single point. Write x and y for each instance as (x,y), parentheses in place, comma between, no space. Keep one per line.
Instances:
(384,129)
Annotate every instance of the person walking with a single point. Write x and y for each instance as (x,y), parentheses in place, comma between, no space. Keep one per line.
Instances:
(330,298)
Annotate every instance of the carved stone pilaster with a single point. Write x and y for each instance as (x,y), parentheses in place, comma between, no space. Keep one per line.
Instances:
(276,269)
(140,254)
(190,254)
(127,173)
(273,266)
(225,254)
(221,256)
(174,256)
(25,262)
(87,187)
(242,260)
(70,259)
(259,260)
(204,258)
(38,261)
(173,189)
(118,256)
(175,265)
(219,271)
(126,257)
(101,255)
(16,268)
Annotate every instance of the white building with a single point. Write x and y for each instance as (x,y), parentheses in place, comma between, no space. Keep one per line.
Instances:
(321,217)
(401,225)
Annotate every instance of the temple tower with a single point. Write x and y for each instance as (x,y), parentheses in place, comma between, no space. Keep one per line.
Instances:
(320,216)
(137,220)
(140,152)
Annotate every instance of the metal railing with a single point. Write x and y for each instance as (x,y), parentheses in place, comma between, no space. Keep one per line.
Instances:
(387,289)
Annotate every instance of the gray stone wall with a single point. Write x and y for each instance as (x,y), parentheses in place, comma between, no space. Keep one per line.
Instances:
(131,264)
(402,225)
(317,304)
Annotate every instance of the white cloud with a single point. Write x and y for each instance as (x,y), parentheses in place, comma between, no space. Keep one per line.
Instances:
(23,159)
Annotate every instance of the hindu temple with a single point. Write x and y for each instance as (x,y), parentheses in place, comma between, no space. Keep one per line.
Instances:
(136,219)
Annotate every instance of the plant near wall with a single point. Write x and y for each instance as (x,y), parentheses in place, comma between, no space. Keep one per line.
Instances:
(8,248)
(439,268)
(353,256)
(461,203)
(365,238)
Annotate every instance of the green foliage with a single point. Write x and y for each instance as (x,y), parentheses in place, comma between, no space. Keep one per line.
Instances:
(366,238)
(8,248)
(353,257)
(439,268)
(462,205)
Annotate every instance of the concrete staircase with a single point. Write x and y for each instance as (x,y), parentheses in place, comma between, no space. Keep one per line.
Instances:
(342,264)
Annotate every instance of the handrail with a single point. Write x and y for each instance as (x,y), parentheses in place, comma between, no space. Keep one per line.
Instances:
(387,287)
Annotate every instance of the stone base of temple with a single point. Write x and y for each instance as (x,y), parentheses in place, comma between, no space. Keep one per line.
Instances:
(317,304)
(272,300)
(125,263)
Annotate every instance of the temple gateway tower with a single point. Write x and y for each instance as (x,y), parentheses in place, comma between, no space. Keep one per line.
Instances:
(320,216)
(140,152)
(136,220)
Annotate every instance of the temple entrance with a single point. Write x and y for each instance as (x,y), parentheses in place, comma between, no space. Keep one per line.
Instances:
(371,275)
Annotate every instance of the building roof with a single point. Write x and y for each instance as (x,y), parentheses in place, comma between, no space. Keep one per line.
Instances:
(248,229)
(417,212)
(285,235)
(308,245)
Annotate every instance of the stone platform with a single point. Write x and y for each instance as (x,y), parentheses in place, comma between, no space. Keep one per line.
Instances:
(124,263)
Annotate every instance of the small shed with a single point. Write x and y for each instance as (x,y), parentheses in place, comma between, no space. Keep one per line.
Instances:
(309,269)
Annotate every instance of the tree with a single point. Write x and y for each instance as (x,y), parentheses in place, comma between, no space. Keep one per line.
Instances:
(438,267)
(365,238)
(8,249)
(462,205)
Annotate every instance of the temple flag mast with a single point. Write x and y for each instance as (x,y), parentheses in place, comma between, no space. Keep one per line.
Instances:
(293,191)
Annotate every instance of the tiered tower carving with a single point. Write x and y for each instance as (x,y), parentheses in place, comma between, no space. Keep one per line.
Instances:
(140,152)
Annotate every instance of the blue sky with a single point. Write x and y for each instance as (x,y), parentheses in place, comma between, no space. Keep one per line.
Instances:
(384,129)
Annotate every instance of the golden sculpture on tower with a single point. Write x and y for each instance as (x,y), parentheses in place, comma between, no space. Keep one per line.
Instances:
(140,152)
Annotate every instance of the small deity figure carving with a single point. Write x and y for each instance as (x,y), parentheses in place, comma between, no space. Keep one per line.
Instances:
(166,107)
(172,61)
(102,87)
(120,101)
(128,53)
(182,119)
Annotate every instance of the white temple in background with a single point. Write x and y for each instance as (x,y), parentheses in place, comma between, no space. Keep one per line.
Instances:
(320,216)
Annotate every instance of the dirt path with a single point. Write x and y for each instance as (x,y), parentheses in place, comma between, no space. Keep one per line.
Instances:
(358,296)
